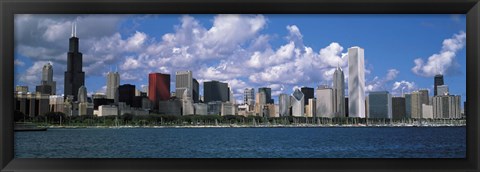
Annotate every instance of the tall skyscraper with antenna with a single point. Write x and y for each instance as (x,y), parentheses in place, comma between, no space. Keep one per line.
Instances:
(74,76)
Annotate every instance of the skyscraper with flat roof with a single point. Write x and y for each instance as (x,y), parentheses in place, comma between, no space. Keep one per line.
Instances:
(195,91)
(268,94)
(113,82)
(356,82)
(215,91)
(438,80)
(398,108)
(380,105)
(284,105)
(298,103)
(325,103)
(308,93)
(183,81)
(126,94)
(158,88)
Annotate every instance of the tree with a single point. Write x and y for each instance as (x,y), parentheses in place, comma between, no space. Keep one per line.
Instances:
(19,116)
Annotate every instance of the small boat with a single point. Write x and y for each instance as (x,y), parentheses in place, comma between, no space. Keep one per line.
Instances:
(27,126)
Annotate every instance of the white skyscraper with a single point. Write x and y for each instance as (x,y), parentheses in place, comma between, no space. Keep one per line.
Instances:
(325,102)
(284,104)
(183,81)
(187,103)
(356,82)
(113,81)
(339,92)
(298,103)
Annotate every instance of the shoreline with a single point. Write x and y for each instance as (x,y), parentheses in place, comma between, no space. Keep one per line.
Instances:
(265,126)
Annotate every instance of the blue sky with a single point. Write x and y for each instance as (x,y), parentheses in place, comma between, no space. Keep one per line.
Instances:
(277,51)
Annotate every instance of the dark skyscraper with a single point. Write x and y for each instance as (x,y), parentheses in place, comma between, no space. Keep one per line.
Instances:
(74,76)
(196,89)
(215,91)
(308,93)
(268,94)
(437,81)
(398,108)
(158,88)
(126,94)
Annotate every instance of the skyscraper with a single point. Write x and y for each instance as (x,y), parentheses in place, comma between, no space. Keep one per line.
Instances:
(418,98)
(126,94)
(183,81)
(325,102)
(339,92)
(47,78)
(284,105)
(438,80)
(268,94)
(187,103)
(195,91)
(308,93)
(249,96)
(408,105)
(356,82)
(298,103)
(446,107)
(158,88)
(442,90)
(398,108)
(113,81)
(215,91)
(74,76)
(380,105)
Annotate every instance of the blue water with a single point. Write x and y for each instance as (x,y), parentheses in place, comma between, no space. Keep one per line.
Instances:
(442,142)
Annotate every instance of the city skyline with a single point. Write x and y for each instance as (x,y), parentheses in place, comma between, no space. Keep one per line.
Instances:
(266,43)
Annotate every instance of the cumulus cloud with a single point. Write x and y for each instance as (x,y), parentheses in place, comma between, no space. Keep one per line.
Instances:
(442,62)
(18,62)
(379,84)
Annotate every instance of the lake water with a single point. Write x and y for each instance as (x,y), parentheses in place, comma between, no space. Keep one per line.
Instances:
(364,142)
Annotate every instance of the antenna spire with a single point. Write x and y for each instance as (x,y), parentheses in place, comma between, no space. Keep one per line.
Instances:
(72,28)
(75,34)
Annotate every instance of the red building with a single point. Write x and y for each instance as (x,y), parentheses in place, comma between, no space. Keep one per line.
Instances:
(158,88)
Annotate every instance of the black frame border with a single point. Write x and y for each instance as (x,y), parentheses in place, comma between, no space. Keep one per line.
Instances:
(10,7)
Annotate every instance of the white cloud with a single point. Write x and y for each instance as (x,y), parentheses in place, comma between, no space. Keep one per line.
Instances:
(442,62)
(18,62)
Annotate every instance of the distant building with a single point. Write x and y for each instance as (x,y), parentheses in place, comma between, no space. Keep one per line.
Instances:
(442,90)
(249,96)
(196,91)
(158,88)
(183,81)
(170,107)
(260,102)
(84,107)
(99,96)
(311,109)
(214,108)
(268,94)
(107,110)
(74,76)
(308,93)
(408,105)
(227,109)
(446,107)
(284,105)
(427,111)
(379,105)
(187,103)
(438,80)
(298,106)
(339,92)
(215,91)
(43,89)
(200,108)
(47,79)
(113,82)
(126,94)
(418,98)
(398,108)
(32,104)
(324,102)
(356,82)
(56,103)
(21,88)
(101,101)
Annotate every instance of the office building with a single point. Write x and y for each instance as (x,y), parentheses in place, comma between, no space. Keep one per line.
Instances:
(106,110)
(196,91)
(268,94)
(446,107)
(427,111)
(339,93)
(417,99)
(214,108)
(21,88)
(227,109)
(56,103)
(398,108)
(379,105)
(126,94)
(249,96)
(438,80)
(183,81)
(324,102)
(187,103)
(308,93)
(113,82)
(158,88)
(298,103)
(170,107)
(356,82)
(284,105)
(408,105)
(47,78)
(32,104)
(74,76)
(311,108)
(200,108)
(442,90)
(43,89)
(215,91)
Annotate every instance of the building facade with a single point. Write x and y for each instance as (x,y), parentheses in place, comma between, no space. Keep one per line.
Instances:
(249,96)
(446,107)
(356,82)
(74,76)
(298,103)
(438,80)
(325,103)
(308,93)
(158,88)
(417,99)
(398,108)
(183,81)
(268,94)
(113,82)
(126,94)
(379,105)
(339,93)
(215,91)
(442,90)
(47,78)
(284,105)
